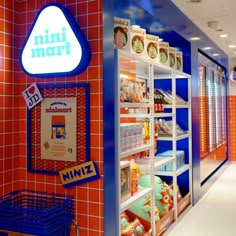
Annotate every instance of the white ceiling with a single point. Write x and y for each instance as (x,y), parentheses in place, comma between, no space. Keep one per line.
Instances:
(223,11)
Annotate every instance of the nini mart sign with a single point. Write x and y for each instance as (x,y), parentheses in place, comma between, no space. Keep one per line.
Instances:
(55,45)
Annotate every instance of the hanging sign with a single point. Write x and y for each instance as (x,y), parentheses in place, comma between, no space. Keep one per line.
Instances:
(55,45)
(32,95)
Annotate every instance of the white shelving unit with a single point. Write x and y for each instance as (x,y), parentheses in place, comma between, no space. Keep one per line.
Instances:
(174,77)
(148,72)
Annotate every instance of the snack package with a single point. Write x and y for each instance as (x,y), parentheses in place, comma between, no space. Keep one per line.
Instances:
(137,41)
(179,61)
(121,33)
(164,53)
(172,56)
(151,48)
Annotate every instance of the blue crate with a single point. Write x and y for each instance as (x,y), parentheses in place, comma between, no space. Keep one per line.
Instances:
(37,213)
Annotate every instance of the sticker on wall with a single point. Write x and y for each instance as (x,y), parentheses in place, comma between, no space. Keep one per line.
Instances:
(79,174)
(55,45)
(32,96)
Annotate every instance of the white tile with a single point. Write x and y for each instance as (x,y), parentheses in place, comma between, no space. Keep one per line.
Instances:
(214,214)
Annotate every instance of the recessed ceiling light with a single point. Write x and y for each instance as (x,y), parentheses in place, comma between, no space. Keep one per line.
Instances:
(194,38)
(224,35)
(207,48)
(215,54)
(194,1)
(232,46)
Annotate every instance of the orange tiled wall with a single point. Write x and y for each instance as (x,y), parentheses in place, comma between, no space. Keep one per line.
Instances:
(7,101)
(232,127)
(16,18)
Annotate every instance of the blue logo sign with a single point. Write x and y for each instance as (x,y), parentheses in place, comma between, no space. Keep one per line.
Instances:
(55,45)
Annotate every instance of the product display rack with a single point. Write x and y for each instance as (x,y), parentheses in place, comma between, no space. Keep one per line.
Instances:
(151,73)
(179,83)
(144,73)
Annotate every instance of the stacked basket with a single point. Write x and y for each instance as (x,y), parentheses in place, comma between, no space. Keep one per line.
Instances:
(37,213)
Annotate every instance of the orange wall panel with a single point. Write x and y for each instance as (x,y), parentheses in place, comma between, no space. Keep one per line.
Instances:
(232,128)
(13,171)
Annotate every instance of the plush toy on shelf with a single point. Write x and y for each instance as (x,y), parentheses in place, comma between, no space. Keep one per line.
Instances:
(146,131)
(134,175)
(179,195)
(131,90)
(162,196)
(138,92)
(142,209)
(131,227)
(124,91)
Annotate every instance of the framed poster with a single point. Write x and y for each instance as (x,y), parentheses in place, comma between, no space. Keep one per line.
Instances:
(58,128)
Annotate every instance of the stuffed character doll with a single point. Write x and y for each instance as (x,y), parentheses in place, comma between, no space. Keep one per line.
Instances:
(162,196)
(124,91)
(131,228)
(134,175)
(146,131)
(142,208)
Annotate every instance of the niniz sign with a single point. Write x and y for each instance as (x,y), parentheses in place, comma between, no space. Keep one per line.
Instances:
(79,174)
(55,45)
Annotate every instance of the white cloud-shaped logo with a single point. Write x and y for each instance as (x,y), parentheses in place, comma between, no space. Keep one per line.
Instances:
(55,45)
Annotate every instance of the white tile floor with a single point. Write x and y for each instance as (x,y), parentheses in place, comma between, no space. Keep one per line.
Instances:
(215,213)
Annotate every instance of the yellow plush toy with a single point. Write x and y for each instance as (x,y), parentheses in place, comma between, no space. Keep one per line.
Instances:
(146,134)
(134,174)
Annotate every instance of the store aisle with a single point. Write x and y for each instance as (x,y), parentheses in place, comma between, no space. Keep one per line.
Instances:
(214,214)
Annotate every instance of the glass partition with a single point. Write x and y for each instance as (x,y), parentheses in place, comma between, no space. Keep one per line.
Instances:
(212,115)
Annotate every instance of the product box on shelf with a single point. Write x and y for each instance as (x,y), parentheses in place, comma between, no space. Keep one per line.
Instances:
(137,41)
(183,203)
(131,225)
(121,33)
(130,136)
(179,61)
(151,47)
(131,90)
(161,225)
(125,183)
(172,56)
(180,159)
(164,53)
